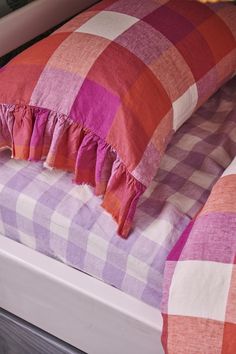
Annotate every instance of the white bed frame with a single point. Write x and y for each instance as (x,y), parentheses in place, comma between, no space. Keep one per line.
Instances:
(73,306)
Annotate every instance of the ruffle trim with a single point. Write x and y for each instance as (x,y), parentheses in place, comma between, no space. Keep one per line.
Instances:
(35,134)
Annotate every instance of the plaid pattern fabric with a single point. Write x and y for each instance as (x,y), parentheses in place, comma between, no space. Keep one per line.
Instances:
(200,278)
(40,209)
(103,94)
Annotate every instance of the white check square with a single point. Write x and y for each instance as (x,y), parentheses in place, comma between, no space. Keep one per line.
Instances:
(200,289)
(60,225)
(137,269)
(27,240)
(158,230)
(25,206)
(97,246)
(108,24)
(184,106)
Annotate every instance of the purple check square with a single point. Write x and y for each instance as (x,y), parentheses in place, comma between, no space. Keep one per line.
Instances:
(172,25)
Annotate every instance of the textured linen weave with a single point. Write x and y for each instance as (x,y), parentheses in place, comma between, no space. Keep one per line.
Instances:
(103,94)
(199,303)
(40,209)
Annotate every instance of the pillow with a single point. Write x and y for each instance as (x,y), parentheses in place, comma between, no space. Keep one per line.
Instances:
(103,95)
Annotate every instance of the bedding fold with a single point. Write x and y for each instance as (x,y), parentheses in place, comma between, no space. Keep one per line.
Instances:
(65,144)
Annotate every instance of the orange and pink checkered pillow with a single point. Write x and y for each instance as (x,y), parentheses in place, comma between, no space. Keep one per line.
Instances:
(103,95)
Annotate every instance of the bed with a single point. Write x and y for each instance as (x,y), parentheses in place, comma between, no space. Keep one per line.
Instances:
(48,278)
(86,285)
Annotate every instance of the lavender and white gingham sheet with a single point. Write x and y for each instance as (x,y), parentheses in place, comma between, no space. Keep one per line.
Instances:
(43,210)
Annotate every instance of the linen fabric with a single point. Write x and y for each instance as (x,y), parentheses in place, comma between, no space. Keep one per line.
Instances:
(103,95)
(42,210)
(200,278)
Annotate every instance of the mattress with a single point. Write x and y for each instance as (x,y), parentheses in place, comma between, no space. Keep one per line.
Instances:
(43,210)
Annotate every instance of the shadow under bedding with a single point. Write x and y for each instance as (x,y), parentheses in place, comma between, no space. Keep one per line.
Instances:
(43,210)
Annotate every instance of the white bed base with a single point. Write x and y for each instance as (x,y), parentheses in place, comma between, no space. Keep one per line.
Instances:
(73,306)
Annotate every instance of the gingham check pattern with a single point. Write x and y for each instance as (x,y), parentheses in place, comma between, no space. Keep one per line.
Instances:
(199,301)
(42,210)
(103,95)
